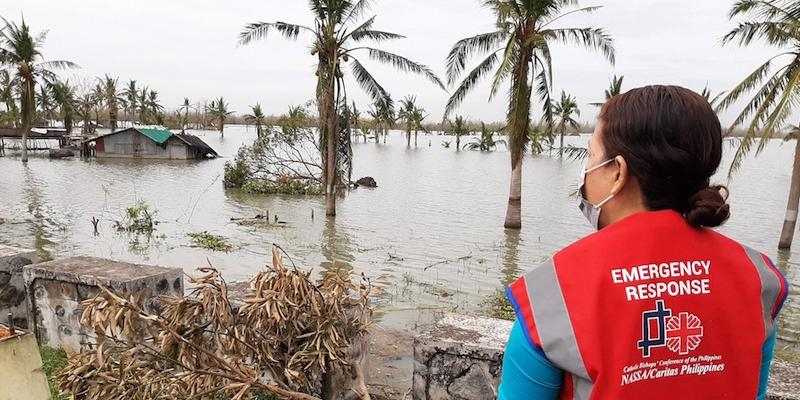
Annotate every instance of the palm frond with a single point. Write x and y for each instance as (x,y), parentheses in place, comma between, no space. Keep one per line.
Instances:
(368,83)
(463,49)
(403,64)
(356,10)
(469,83)
(774,33)
(377,36)
(591,38)
(587,10)
(511,56)
(259,30)
(59,64)
(747,84)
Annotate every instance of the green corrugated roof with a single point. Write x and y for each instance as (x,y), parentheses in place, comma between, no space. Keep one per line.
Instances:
(158,135)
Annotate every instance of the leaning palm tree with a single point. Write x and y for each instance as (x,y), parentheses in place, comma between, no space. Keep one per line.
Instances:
(112,99)
(519,52)
(776,87)
(64,96)
(614,88)
(155,108)
(459,129)
(417,117)
(218,109)
(131,94)
(336,41)
(22,52)
(562,111)
(256,118)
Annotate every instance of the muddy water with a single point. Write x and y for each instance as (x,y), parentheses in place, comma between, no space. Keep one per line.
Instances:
(430,236)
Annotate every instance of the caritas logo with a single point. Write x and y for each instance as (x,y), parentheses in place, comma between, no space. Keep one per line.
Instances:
(679,333)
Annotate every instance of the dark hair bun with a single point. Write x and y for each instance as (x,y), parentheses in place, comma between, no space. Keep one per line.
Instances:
(709,207)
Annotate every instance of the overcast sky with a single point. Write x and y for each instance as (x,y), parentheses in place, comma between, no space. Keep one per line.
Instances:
(189,48)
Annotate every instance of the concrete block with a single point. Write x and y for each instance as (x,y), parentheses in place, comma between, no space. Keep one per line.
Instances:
(459,357)
(58,288)
(12,286)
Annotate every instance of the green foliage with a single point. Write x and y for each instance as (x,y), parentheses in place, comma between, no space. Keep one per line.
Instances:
(236,172)
(291,187)
(139,218)
(53,360)
(210,241)
(497,305)
(485,142)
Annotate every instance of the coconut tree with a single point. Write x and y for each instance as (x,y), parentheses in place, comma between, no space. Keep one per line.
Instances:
(563,111)
(46,104)
(256,118)
(112,99)
(154,107)
(218,109)
(131,94)
(355,122)
(406,114)
(21,51)
(337,40)
(383,117)
(774,85)
(64,96)
(142,105)
(485,142)
(8,96)
(459,129)
(614,88)
(518,51)
(417,117)
(185,117)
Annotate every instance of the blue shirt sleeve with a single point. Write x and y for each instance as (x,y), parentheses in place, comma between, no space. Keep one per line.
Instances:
(767,352)
(527,373)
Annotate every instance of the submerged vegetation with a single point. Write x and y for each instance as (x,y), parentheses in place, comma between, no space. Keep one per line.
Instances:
(139,218)
(210,241)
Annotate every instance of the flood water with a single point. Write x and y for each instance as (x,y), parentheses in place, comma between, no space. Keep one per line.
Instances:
(430,236)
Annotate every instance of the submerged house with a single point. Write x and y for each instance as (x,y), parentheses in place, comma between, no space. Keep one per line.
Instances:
(148,143)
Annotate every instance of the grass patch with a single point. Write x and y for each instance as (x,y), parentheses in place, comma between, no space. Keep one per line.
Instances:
(295,187)
(210,241)
(53,360)
(498,306)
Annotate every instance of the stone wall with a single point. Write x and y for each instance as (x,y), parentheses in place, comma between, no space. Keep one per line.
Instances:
(58,288)
(12,285)
(460,358)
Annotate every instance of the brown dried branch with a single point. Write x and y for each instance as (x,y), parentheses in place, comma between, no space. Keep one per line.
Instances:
(287,335)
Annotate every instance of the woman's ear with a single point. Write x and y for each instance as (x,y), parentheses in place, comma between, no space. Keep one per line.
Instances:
(622,175)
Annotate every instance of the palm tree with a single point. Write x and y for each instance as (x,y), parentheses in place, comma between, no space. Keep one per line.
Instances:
(614,88)
(383,117)
(519,52)
(144,109)
(112,99)
(256,118)
(459,128)
(46,104)
(355,122)
(562,111)
(774,101)
(406,114)
(23,52)
(131,94)
(486,142)
(416,122)
(336,41)
(185,117)
(8,88)
(154,107)
(219,111)
(64,96)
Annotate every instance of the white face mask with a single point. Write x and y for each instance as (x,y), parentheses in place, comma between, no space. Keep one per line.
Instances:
(589,210)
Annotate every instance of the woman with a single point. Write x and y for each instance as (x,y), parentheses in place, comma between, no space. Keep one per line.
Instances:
(655,305)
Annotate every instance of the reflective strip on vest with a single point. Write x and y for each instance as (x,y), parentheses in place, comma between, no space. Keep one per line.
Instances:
(770,288)
(554,327)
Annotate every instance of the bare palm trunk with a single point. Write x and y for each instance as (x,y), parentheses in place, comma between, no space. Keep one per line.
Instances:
(27,114)
(518,128)
(221,128)
(458,142)
(790,221)
(415,138)
(408,137)
(331,148)
(561,144)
